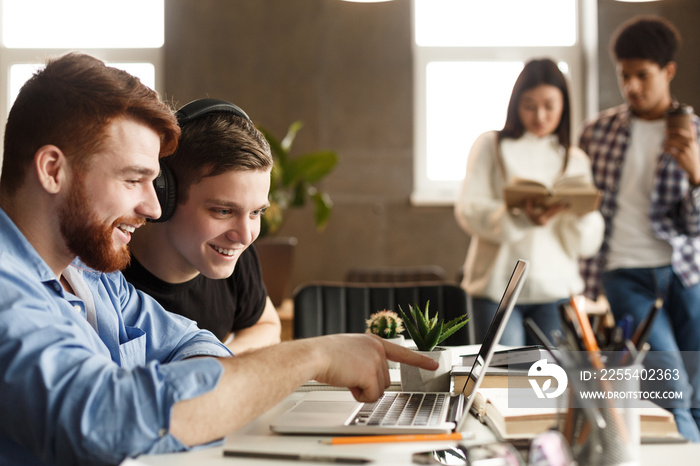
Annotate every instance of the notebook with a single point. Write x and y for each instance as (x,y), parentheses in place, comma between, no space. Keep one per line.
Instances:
(337,412)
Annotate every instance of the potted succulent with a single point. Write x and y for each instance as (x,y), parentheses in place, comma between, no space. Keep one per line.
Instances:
(387,325)
(427,332)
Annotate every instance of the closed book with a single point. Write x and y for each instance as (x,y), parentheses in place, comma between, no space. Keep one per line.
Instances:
(510,355)
(497,377)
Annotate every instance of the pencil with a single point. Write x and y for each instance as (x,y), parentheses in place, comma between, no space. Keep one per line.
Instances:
(395,438)
(589,341)
(296,457)
(591,346)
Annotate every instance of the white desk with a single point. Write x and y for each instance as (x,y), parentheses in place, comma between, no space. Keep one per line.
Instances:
(257,437)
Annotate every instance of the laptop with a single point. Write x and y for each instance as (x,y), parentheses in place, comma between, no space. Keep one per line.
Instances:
(338,413)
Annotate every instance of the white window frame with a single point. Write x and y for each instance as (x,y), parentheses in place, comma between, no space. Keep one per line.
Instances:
(582,60)
(14,56)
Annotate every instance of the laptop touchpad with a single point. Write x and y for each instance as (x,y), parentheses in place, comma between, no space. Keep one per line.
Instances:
(324,407)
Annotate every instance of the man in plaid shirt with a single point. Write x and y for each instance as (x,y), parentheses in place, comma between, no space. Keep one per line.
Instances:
(649,176)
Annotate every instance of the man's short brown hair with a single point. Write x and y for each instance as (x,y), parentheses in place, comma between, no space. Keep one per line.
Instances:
(69,104)
(214,144)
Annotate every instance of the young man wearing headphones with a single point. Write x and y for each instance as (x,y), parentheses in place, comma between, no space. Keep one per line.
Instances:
(197,259)
(93,371)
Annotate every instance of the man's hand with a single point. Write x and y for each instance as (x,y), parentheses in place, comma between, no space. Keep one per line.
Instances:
(256,381)
(683,146)
(359,362)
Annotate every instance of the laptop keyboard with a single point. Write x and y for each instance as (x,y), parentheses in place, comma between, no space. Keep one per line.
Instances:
(403,409)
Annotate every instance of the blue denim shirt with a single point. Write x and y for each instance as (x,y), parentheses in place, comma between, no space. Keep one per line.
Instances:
(74,394)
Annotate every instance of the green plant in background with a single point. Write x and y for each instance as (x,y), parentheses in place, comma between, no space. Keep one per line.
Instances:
(386,324)
(427,332)
(294,181)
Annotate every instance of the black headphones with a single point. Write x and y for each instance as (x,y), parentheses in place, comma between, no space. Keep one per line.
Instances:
(165,184)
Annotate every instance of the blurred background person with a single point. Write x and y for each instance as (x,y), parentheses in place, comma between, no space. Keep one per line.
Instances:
(649,175)
(534,144)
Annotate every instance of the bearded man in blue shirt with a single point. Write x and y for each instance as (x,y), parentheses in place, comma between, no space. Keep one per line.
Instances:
(91,370)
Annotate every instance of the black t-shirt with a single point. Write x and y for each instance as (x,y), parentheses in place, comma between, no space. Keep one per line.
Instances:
(220,306)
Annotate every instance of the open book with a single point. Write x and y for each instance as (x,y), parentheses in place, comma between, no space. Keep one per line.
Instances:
(576,192)
(491,407)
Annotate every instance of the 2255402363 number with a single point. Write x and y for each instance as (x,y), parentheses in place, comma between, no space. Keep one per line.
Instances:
(629,373)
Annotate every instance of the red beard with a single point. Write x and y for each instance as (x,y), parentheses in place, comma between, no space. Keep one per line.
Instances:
(89,239)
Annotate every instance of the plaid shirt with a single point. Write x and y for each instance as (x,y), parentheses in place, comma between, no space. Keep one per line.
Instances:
(674,210)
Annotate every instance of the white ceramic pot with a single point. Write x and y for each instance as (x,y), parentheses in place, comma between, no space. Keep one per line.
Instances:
(414,379)
(399,340)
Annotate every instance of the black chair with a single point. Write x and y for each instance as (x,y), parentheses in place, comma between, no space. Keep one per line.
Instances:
(326,308)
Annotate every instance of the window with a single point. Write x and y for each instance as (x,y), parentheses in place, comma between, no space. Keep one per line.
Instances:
(127,34)
(467,55)
(66,24)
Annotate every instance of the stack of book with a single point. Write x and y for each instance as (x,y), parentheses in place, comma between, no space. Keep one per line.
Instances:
(491,407)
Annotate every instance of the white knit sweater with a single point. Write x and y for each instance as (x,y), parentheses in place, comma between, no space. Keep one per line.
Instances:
(499,237)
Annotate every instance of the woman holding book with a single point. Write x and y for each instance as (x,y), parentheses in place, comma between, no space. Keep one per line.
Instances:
(534,144)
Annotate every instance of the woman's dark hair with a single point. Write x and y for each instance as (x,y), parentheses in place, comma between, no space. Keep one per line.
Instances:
(646,38)
(535,73)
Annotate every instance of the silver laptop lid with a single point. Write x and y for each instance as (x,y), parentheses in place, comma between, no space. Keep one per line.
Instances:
(493,335)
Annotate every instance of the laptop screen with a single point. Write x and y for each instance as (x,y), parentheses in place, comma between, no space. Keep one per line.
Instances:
(498,324)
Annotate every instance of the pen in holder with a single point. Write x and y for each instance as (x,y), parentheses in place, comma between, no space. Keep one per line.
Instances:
(599,421)
(612,392)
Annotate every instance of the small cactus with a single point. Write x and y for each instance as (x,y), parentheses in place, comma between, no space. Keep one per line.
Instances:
(386,324)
